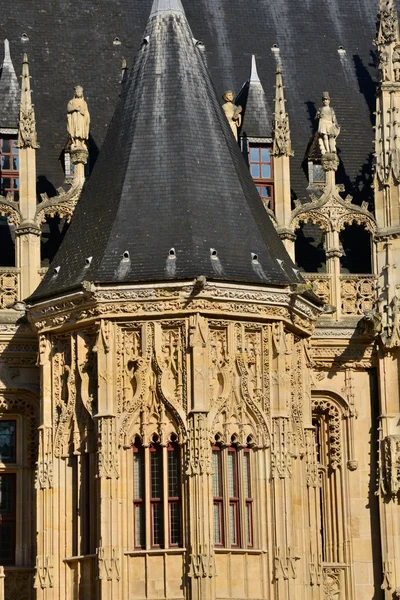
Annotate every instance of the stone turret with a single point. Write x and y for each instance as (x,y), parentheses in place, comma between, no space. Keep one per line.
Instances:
(173,330)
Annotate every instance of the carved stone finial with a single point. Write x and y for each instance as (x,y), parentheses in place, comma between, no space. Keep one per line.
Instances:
(281,130)
(328,127)
(387,26)
(27,136)
(78,126)
(232,113)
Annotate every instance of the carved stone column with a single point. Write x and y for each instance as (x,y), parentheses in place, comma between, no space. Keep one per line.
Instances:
(44,578)
(200,560)
(282,151)
(28,257)
(108,550)
(28,234)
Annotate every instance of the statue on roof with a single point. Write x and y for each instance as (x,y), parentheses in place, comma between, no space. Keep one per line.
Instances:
(232,113)
(78,120)
(328,127)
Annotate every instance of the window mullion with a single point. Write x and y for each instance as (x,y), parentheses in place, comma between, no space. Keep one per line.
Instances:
(165,503)
(147,494)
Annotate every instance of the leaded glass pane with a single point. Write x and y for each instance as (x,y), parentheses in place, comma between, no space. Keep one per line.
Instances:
(157,525)
(217,492)
(139,525)
(156,473)
(175,523)
(7,441)
(232,483)
(217,524)
(173,473)
(249,525)
(138,475)
(232,523)
(246,474)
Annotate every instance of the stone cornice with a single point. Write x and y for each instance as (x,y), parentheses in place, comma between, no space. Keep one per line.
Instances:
(153,301)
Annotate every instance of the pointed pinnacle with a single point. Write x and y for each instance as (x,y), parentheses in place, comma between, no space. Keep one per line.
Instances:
(7,55)
(254,78)
(26,100)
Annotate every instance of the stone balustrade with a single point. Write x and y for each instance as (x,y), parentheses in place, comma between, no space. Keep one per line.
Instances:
(9,286)
(358,294)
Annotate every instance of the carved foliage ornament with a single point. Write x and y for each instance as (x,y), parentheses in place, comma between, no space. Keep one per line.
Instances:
(330,410)
(390,465)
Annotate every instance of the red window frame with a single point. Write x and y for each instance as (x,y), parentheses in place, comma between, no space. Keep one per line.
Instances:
(259,163)
(248,493)
(9,177)
(174,500)
(218,500)
(233,499)
(156,501)
(8,520)
(138,498)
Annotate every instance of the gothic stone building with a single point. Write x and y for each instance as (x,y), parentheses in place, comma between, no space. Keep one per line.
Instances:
(199,303)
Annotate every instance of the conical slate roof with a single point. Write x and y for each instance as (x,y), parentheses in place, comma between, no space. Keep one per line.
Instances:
(170,197)
(9,92)
(257,122)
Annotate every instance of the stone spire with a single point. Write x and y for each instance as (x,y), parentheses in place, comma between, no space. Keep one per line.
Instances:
(281,130)
(257,118)
(254,78)
(27,137)
(9,93)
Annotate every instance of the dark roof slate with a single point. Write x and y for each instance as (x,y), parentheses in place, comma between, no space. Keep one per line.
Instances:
(70,43)
(170,175)
(257,120)
(10,92)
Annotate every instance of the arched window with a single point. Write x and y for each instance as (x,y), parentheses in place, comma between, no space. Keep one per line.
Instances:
(157,494)
(232,496)
(310,248)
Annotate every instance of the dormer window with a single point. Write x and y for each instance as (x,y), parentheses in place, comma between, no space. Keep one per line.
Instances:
(316,173)
(261,169)
(9,167)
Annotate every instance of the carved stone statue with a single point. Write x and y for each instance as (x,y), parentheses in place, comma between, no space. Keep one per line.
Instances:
(396,62)
(328,127)
(232,113)
(383,64)
(78,120)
